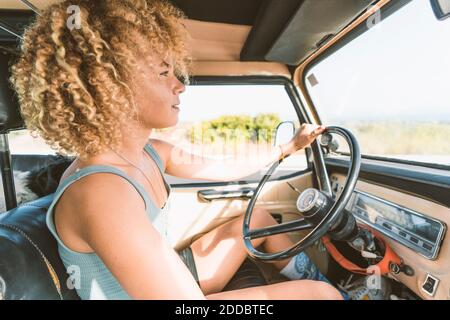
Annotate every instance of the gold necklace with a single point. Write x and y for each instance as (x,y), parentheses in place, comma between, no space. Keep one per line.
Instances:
(162,187)
(140,170)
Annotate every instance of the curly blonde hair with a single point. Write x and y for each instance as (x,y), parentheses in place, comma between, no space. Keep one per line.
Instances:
(73,83)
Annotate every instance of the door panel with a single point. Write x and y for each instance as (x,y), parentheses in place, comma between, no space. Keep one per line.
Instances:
(190,216)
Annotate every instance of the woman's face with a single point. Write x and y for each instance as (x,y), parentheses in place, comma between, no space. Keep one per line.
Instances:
(157,93)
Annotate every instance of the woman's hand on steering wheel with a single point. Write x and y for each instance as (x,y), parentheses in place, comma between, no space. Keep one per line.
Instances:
(303,138)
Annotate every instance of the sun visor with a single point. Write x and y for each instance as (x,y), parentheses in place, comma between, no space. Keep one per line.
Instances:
(312,25)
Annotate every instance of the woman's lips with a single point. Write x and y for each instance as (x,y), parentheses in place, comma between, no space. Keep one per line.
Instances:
(176,107)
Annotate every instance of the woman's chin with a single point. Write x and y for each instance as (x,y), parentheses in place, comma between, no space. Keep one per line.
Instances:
(173,122)
(163,125)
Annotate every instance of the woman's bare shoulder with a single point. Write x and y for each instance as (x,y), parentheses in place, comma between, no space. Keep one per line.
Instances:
(88,201)
(101,189)
(98,184)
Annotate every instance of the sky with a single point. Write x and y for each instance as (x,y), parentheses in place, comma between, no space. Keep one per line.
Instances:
(199,103)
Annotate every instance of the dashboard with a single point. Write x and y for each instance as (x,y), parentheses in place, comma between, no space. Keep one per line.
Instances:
(412,229)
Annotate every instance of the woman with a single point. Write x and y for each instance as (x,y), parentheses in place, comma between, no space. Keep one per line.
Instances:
(97,90)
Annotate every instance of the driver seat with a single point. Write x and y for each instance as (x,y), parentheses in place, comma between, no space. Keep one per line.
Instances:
(30,266)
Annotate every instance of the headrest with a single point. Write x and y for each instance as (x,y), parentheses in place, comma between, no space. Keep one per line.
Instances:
(10,118)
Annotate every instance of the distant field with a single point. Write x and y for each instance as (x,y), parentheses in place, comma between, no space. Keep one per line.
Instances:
(403,139)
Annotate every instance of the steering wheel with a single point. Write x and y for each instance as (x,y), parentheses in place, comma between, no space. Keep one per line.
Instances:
(321,212)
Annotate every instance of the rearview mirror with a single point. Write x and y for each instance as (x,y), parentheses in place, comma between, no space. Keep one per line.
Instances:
(285,132)
(441,8)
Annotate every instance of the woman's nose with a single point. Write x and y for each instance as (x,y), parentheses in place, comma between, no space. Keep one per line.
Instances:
(180,86)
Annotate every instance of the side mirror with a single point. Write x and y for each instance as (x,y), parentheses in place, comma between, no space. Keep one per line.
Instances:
(285,132)
(441,8)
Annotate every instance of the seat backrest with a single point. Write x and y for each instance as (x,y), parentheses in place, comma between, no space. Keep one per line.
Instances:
(30,266)
(10,118)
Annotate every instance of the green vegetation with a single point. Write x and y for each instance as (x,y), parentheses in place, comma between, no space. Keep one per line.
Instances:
(235,128)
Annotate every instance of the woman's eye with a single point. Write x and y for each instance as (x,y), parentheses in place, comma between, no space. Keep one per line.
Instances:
(164,74)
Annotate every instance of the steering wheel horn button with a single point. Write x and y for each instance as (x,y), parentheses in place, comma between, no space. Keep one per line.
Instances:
(313,205)
(307,200)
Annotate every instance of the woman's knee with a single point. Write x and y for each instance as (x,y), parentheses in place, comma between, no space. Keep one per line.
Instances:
(261,218)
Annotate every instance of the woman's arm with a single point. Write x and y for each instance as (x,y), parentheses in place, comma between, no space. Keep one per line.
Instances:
(120,232)
(183,164)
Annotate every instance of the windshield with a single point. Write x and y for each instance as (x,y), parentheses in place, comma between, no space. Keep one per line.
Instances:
(389,86)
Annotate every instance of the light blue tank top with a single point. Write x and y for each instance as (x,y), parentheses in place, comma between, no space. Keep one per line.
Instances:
(88,274)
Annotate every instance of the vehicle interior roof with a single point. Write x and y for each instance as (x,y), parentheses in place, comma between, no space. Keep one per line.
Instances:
(236,30)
